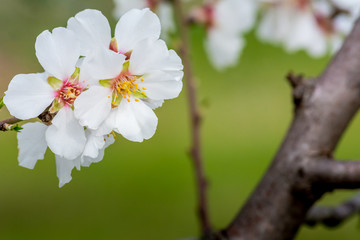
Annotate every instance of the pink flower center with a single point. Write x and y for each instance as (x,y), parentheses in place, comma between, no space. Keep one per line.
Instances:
(69,92)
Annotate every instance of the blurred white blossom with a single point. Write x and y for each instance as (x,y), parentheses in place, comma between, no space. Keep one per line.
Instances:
(163,9)
(226,21)
(317,26)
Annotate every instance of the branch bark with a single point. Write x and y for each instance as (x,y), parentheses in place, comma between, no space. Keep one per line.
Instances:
(333,216)
(325,106)
(196,153)
(4,124)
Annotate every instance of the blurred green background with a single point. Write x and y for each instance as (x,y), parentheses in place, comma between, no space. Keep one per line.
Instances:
(146,190)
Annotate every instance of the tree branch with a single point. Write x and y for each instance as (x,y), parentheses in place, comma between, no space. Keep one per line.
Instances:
(333,216)
(195,122)
(278,206)
(331,174)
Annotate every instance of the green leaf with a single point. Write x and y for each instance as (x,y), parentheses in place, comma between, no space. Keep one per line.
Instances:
(17,128)
(106,83)
(2,104)
(55,83)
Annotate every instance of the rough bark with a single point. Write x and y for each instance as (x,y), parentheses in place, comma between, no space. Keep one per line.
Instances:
(299,175)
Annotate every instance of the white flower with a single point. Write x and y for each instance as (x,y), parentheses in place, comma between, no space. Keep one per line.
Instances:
(29,95)
(226,21)
(131,84)
(307,25)
(162,8)
(32,147)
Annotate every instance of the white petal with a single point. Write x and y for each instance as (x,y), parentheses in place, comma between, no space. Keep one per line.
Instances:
(102,64)
(28,95)
(58,52)
(153,104)
(64,168)
(86,160)
(92,30)
(166,16)
(31,143)
(234,16)
(223,50)
(93,106)
(151,55)
(93,144)
(135,120)
(161,85)
(135,26)
(122,6)
(66,137)
(306,34)
(108,125)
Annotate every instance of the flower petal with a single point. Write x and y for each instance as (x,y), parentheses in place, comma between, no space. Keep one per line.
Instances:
(103,64)
(64,168)
(66,137)
(161,85)
(93,144)
(151,55)
(58,52)
(93,106)
(122,6)
(31,143)
(135,120)
(28,95)
(223,49)
(108,125)
(92,30)
(135,26)
(86,160)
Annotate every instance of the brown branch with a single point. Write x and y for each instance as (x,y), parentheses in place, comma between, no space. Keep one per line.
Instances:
(333,216)
(278,206)
(195,121)
(5,124)
(331,174)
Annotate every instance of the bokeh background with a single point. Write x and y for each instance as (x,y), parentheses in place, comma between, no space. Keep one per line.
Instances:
(146,190)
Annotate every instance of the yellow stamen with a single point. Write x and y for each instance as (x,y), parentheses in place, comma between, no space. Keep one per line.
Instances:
(143,88)
(128,100)
(136,100)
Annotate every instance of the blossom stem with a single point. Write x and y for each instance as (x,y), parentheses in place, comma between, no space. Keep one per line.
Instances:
(195,122)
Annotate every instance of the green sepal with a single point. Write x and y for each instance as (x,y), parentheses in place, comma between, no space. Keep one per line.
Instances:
(2,104)
(106,83)
(139,94)
(54,82)
(75,75)
(126,66)
(56,106)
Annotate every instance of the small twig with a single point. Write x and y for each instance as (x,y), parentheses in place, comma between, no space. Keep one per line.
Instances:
(5,124)
(333,216)
(195,121)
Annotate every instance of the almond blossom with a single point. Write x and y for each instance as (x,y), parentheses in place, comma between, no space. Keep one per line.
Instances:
(130,74)
(162,8)
(226,21)
(317,27)
(29,95)
(32,146)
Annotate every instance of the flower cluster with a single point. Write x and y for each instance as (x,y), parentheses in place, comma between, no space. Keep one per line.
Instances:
(316,26)
(94,86)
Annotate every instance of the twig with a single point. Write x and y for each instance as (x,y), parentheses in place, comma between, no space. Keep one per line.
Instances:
(4,125)
(333,216)
(195,122)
